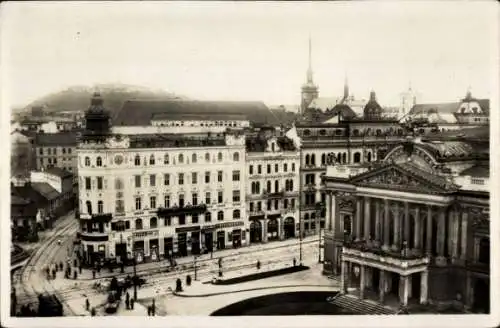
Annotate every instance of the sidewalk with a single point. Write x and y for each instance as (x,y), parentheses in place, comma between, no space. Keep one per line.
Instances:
(188,261)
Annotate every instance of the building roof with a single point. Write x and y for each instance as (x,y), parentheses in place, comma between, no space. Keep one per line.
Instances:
(67,138)
(475,133)
(325,103)
(176,140)
(199,116)
(449,149)
(45,190)
(29,193)
(140,112)
(480,171)
(344,110)
(451,107)
(59,172)
(258,143)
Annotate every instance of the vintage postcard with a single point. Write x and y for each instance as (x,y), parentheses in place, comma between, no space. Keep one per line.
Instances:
(293,164)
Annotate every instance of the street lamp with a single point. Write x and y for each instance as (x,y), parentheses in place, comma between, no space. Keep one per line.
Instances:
(300,240)
(319,246)
(195,268)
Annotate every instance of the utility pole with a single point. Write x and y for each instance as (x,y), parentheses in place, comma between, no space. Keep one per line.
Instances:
(135,279)
(195,271)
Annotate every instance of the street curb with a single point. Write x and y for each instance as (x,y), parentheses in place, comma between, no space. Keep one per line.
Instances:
(248,290)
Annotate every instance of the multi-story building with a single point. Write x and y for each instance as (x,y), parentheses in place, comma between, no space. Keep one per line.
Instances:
(415,227)
(154,195)
(344,139)
(56,150)
(272,189)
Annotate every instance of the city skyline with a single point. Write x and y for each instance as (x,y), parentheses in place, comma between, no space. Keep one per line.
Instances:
(257,52)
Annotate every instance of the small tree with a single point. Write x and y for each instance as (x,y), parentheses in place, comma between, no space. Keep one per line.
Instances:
(178,285)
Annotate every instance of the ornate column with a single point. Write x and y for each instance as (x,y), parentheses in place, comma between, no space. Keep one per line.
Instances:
(378,228)
(330,207)
(342,277)
(281,228)
(358,218)
(397,228)
(366,219)
(386,230)
(440,260)
(264,230)
(424,287)
(362,282)
(407,223)
(404,293)
(463,241)
(381,286)
(428,242)
(454,236)
(418,227)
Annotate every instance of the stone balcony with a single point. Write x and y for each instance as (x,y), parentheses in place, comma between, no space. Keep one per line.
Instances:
(403,262)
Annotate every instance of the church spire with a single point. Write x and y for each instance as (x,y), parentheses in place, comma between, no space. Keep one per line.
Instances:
(309,69)
(346,87)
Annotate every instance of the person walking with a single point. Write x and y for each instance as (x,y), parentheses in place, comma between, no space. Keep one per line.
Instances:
(132,304)
(87,304)
(153,308)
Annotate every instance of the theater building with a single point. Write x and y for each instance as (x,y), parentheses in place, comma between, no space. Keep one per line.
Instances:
(154,195)
(272,189)
(413,227)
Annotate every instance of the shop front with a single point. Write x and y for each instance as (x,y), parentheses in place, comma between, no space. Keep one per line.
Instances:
(195,242)
(221,240)
(154,254)
(289,227)
(255,231)
(168,247)
(272,228)
(139,251)
(236,236)
(182,244)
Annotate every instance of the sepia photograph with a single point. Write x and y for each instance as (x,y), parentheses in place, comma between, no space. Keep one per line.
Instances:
(291,164)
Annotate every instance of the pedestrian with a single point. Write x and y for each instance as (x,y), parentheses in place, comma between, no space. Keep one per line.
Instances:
(93,274)
(87,304)
(127,303)
(53,274)
(132,304)
(153,308)
(80,269)
(294,262)
(74,262)
(127,296)
(149,310)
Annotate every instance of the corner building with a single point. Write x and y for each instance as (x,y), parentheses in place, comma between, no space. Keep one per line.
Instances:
(158,195)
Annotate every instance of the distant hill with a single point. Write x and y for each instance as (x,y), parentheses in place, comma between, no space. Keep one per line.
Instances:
(77,98)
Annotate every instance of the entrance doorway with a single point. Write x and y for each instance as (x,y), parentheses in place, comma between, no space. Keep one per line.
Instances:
(182,244)
(415,278)
(195,243)
(209,241)
(236,238)
(168,247)
(481,296)
(221,240)
(255,232)
(289,227)
(375,279)
(121,251)
(272,230)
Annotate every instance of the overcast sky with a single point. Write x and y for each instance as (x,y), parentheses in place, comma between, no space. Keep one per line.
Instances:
(251,51)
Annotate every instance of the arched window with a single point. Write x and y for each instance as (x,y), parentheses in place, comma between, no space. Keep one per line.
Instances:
(484,251)
(137,160)
(207,157)
(220,215)
(194,159)
(322,132)
(291,185)
(344,158)
(138,224)
(308,159)
(357,157)
(369,157)
(99,161)
(339,158)
(379,132)
(236,214)
(253,187)
(118,184)
(257,187)
(272,147)
(208,217)
(313,160)
(153,223)
(100,207)
(306,216)
(307,132)
(276,186)
(355,132)
(236,157)
(87,161)
(166,159)
(268,186)
(219,157)
(89,207)
(152,160)
(181,158)
(287,185)
(323,159)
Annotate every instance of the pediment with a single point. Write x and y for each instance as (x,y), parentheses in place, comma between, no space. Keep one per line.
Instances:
(394,177)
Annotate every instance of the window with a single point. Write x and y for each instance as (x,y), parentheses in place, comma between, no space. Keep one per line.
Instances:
(181,200)
(219,157)
(50,161)
(98,161)
(194,178)
(41,151)
(293,167)
(285,167)
(69,150)
(208,217)
(195,199)
(99,183)
(268,189)
(273,147)
(181,178)
(138,224)
(119,206)
(166,179)
(259,206)
(153,223)
(137,160)
(236,175)
(220,216)
(292,203)
(87,160)
(323,159)
(152,202)
(219,197)
(152,160)
(181,158)
(166,201)
(357,157)
(168,221)
(152,180)
(308,159)
(236,196)
(268,204)
(207,157)
(236,214)
(194,218)
(138,204)
(89,207)
(259,169)
(219,176)
(207,177)
(166,159)
(236,157)
(276,204)
(194,159)
(250,169)
(182,219)
(55,160)
(251,207)
(291,185)
(285,203)
(88,184)
(477,181)
(207,198)
(100,207)
(137,181)
(276,186)
(49,151)
(268,168)
(313,160)
(276,169)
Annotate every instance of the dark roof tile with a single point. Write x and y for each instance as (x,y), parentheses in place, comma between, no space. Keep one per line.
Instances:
(56,139)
